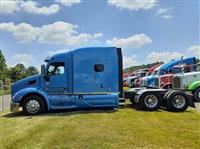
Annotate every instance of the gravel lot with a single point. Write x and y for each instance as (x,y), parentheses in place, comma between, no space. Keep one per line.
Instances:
(5,101)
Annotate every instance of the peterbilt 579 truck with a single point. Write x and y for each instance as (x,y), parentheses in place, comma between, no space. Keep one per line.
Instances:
(87,78)
(83,78)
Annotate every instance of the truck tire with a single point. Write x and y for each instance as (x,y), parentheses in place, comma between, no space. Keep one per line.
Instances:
(197,95)
(176,101)
(150,101)
(33,105)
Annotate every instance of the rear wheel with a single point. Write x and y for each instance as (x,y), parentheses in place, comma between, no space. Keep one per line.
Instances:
(150,101)
(33,105)
(177,101)
(197,95)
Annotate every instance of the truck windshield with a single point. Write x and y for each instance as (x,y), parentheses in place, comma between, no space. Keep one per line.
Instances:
(181,70)
(177,70)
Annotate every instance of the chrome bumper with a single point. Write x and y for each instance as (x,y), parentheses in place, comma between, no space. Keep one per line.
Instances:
(14,107)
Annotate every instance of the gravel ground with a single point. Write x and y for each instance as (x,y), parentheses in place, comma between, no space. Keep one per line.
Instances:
(5,101)
(197,106)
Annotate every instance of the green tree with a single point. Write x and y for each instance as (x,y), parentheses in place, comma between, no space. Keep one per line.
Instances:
(18,72)
(31,70)
(3,67)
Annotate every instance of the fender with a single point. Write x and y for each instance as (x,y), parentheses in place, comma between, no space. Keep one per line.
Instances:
(144,91)
(165,85)
(17,97)
(193,86)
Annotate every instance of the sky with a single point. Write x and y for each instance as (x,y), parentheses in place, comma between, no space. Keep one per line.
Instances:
(146,30)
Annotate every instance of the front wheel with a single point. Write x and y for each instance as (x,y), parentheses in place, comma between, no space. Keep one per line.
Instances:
(33,105)
(150,101)
(197,95)
(177,101)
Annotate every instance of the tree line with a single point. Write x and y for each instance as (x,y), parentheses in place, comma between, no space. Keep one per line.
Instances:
(15,73)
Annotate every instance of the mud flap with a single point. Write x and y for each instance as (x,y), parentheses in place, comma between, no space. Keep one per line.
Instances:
(129,95)
(190,100)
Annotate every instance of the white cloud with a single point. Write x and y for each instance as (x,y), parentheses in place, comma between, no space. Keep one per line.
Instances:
(22,58)
(163,56)
(64,33)
(34,7)
(68,2)
(163,12)
(167,16)
(22,32)
(58,32)
(130,61)
(134,41)
(195,50)
(133,4)
(52,52)
(10,6)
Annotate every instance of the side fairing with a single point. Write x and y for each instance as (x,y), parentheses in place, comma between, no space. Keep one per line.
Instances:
(86,79)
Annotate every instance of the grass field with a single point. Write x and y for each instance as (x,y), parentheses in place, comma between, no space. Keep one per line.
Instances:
(124,128)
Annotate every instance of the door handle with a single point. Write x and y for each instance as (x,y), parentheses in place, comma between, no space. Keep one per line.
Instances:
(80,97)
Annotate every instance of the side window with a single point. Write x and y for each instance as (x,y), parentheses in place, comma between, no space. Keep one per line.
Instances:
(99,67)
(57,68)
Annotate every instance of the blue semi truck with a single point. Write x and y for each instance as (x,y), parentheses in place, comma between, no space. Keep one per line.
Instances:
(87,78)
(83,78)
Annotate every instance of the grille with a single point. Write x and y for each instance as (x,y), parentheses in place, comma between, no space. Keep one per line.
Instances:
(177,82)
(156,82)
(143,83)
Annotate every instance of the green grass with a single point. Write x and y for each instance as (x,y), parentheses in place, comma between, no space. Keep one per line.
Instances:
(124,128)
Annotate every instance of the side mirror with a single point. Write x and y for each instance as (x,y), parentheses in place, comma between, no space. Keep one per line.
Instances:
(43,70)
(43,73)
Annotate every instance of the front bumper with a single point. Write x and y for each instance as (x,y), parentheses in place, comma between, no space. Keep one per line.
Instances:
(14,107)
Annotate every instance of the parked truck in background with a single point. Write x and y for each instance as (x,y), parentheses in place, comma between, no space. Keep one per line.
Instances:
(140,73)
(165,81)
(153,80)
(188,82)
(150,71)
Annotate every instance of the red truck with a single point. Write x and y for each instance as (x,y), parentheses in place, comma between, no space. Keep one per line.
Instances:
(165,81)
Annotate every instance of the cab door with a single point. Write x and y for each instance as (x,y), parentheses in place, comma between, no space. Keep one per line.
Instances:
(56,86)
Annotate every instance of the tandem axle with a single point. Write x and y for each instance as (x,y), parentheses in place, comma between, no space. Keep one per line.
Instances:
(152,99)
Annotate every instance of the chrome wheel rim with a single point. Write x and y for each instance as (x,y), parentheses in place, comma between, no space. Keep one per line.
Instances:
(32,106)
(151,101)
(179,101)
